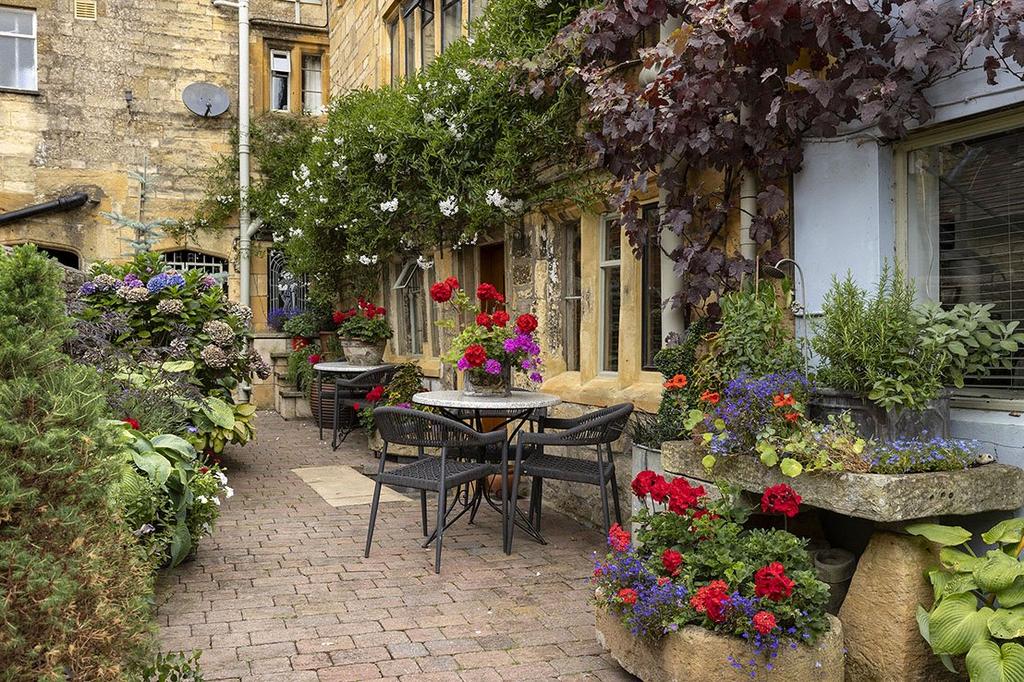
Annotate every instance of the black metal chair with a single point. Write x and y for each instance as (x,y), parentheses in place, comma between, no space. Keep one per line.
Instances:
(600,429)
(348,392)
(403,426)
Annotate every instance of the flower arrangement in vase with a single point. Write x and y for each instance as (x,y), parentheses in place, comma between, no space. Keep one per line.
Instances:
(362,333)
(488,345)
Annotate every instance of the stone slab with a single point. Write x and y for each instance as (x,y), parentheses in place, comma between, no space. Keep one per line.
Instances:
(881,498)
(694,654)
(343,486)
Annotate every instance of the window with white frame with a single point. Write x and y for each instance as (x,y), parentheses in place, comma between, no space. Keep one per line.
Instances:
(312,84)
(280,80)
(964,234)
(410,298)
(17,48)
(185,259)
(611,293)
(572,294)
(652,334)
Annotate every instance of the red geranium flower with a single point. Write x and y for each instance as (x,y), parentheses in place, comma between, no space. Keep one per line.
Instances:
(134,423)
(663,580)
(710,397)
(627,595)
(618,538)
(642,483)
(338,317)
(682,496)
(783,400)
(780,499)
(792,417)
(375,394)
(356,406)
(314,358)
(771,582)
(678,381)
(526,323)
(500,318)
(203,470)
(659,489)
(487,292)
(671,560)
(475,355)
(712,600)
(441,292)
(764,622)
(452,282)
(484,320)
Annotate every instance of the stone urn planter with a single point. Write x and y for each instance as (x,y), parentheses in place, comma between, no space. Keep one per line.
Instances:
(362,353)
(873,421)
(694,654)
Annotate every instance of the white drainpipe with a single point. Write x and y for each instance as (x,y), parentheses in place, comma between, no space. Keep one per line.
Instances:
(748,202)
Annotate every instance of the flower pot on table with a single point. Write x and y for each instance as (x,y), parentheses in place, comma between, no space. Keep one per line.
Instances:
(693,653)
(362,353)
(877,422)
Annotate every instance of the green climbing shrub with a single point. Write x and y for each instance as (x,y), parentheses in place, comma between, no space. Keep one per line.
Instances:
(75,591)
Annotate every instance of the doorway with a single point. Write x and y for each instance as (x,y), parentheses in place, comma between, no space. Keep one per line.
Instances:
(492,265)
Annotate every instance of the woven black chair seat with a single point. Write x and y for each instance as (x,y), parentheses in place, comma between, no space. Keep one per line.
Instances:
(423,474)
(564,468)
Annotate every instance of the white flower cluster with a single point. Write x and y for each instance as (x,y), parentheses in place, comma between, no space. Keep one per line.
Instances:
(449,207)
(390,206)
(283,199)
(462,75)
(294,231)
(494,198)
(225,199)
(424,263)
(369,260)
(380,158)
(302,174)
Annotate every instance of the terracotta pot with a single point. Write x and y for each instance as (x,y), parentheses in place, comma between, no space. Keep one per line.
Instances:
(299,342)
(362,353)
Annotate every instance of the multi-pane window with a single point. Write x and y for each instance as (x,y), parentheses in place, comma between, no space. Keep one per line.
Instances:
(185,259)
(409,28)
(284,290)
(476,9)
(651,298)
(451,22)
(17,48)
(280,80)
(312,84)
(965,234)
(572,294)
(411,300)
(426,34)
(610,294)
(395,49)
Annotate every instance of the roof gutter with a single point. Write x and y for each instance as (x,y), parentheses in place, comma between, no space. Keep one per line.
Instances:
(60,204)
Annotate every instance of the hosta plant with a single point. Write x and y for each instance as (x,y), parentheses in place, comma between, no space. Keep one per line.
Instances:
(978,611)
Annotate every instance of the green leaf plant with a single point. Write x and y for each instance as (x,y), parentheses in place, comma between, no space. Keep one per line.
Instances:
(978,611)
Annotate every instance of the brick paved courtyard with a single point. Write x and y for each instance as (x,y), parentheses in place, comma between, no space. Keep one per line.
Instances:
(282,592)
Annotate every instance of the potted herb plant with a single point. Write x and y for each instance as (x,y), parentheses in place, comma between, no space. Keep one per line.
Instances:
(362,333)
(490,345)
(694,596)
(888,360)
(303,327)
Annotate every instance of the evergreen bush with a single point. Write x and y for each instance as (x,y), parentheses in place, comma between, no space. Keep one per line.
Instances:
(74,592)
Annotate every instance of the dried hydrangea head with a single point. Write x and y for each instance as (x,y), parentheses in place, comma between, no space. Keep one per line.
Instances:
(170,306)
(133,294)
(179,347)
(257,365)
(219,332)
(242,312)
(214,357)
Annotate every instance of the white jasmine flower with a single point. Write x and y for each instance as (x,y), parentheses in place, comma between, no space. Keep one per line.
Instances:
(294,231)
(424,263)
(202,499)
(339,140)
(371,128)
(278,237)
(323,199)
(449,207)
(380,158)
(390,206)
(462,75)
(429,117)
(317,138)
(224,199)
(495,199)
(282,199)
(229,492)
(335,164)
(368,260)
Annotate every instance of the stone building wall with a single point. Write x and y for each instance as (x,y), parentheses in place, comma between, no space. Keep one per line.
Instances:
(356,38)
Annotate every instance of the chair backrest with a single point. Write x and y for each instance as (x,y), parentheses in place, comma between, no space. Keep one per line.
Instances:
(599,427)
(407,426)
(380,376)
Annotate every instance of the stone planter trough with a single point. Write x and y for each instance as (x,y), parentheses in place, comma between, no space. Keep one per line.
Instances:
(694,654)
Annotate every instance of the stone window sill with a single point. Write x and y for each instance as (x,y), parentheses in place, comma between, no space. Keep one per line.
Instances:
(18,91)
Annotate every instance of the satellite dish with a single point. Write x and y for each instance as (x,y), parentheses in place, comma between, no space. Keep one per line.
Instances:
(205,99)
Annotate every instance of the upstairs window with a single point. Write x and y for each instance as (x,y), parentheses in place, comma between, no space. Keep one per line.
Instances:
(17,48)
(280,80)
(426,34)
(395,51)
(476,9)
(409,29)
(451,22)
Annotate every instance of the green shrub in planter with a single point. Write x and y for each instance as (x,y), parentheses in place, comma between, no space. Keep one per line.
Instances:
(76,592)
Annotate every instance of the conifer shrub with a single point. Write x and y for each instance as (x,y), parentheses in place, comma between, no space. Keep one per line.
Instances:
(75,595)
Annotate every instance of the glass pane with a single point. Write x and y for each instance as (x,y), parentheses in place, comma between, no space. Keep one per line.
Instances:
(572,291)
(966,232)
(409,26)
(14,21)
(395,50)
(432,331)
(279,92)
(611,300)
(476,9)
(451,23)
(312,84)
(427,37)
(8,71)
(26,57)
(612,241)
(651,294)
(280,62)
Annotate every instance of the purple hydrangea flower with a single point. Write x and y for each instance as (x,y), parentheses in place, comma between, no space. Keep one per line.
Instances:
(164,280)
(462,364)
(492,366)
(208,282)
(87,289)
